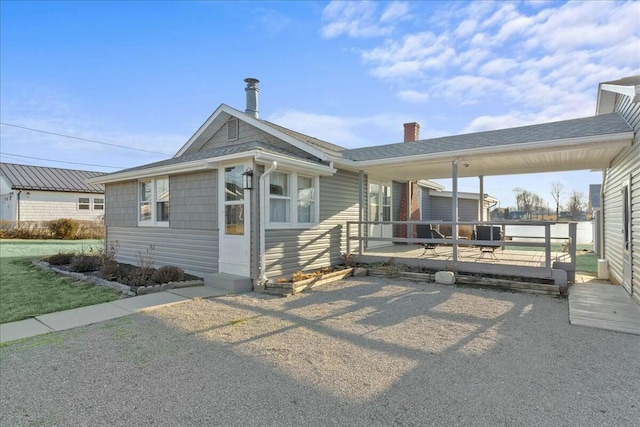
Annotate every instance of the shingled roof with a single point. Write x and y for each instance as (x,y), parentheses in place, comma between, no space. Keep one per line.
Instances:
(25,177)
(566,129)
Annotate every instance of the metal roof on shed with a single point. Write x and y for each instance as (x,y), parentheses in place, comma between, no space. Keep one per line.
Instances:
(25,177)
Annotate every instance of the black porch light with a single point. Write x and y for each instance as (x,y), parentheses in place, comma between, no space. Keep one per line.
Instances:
(247,179)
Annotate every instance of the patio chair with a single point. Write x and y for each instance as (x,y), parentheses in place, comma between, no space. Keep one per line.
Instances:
(493,235)
(426,231)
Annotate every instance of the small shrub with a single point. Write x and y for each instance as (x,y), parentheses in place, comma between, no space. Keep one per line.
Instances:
(349,260)
(84,263)
(391,269)
(63,228)
(168,273)
(61,258)
(140,276)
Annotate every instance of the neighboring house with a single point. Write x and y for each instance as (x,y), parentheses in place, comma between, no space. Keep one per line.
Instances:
(436,205)
(621,187)
(35,193)
(199,213)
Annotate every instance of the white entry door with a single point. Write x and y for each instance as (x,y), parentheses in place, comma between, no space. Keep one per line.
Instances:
(379,210)
(233,218)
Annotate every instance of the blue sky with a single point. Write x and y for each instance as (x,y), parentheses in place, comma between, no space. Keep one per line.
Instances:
(146,75)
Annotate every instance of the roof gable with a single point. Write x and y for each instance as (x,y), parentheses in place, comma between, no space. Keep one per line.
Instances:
(25,177)
(316,147)
(607,91)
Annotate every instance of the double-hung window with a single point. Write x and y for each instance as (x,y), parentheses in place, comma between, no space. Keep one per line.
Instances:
(153,201)
(292,200)
(98,204)
(83,203)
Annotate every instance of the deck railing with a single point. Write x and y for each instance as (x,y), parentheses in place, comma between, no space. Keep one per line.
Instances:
(568,241)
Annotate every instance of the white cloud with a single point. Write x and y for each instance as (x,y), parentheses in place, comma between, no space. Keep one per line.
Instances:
(349,132)
(396,11)
(542,62)
(362,18)
(413,96)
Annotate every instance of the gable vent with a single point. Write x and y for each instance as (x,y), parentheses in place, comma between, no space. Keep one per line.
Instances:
(232,129)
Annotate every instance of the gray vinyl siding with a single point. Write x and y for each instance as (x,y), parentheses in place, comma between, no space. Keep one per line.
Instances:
(626,165)
(246,133)
(441,209)
(193,201)
(195,251)
(290,250)
(121,209)
(396,199)
(426,204)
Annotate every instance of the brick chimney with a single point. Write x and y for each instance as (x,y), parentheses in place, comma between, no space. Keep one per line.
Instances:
(411,132)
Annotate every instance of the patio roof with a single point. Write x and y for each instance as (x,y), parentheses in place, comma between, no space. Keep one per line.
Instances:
(585,143)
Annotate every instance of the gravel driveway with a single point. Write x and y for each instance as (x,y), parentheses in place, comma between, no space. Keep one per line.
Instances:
(368,352)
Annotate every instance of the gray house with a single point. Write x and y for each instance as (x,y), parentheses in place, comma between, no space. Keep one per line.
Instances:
(200,213)
(620,202)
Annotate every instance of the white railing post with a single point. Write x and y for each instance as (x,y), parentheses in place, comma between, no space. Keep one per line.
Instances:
(547,248)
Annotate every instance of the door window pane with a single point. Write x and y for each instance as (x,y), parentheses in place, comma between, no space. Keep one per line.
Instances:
(234,219)
(233,184)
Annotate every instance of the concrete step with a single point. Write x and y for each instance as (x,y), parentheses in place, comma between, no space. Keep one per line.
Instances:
(229,282)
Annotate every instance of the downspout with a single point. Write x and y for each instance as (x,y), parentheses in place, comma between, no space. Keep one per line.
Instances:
(18,207)
(263,213)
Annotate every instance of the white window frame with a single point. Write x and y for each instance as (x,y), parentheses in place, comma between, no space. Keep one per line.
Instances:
(87,203)
(153,221)
(94,203)
(292,198)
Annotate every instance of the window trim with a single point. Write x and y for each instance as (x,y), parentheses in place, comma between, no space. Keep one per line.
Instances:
(87,204)
(153,222)
(93,203)
(293,202)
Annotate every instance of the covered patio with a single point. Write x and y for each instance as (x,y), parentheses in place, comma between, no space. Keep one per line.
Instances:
(581,144)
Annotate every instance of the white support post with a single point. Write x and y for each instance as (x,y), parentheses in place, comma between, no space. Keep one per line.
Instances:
(454,209)
(361,213)
(481,202)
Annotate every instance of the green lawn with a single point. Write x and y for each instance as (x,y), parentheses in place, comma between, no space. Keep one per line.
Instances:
(27,291)
(586,262)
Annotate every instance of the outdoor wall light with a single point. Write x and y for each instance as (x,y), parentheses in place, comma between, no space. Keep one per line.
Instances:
(247,179)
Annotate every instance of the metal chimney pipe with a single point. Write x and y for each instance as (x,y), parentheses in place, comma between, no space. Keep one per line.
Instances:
(252,96)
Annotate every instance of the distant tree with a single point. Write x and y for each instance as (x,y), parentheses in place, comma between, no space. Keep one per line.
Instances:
(537,204)
(526,201)
(576,204)
(556,190)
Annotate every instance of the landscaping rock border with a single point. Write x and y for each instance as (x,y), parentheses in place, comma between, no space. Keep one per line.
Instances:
(124,289)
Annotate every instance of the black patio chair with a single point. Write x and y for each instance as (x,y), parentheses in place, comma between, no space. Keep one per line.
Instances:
(426,231)
(493,236)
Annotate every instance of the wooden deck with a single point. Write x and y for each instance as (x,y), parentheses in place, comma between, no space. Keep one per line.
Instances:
(469,254)
(603,306)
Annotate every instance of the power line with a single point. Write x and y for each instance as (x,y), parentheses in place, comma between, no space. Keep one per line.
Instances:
(81,139)
(61,161)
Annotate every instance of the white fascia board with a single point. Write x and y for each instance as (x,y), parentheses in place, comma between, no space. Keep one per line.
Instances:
(292,163)
(201,129)
(630,91)
(223,108)
(624,139)
(195,165)
(430,184)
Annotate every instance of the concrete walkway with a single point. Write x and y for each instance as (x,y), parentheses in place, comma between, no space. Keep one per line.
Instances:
(82,316)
